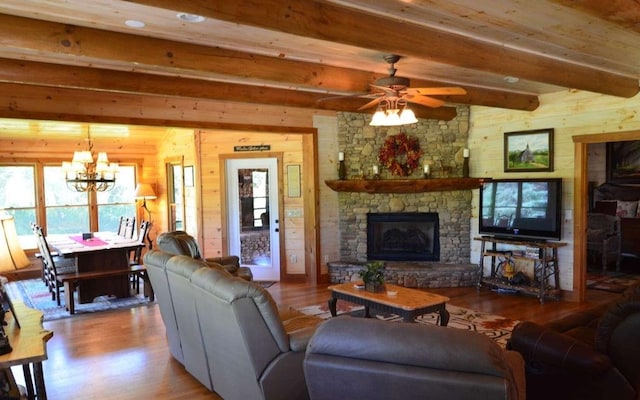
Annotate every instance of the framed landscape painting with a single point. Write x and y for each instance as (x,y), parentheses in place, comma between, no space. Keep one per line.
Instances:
(528,151)
(623,162)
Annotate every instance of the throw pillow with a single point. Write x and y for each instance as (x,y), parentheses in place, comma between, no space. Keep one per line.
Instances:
(627,209)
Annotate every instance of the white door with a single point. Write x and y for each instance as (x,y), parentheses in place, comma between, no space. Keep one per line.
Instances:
(252,201)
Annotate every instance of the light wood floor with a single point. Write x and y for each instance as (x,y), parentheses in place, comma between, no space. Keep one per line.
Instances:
(124,355)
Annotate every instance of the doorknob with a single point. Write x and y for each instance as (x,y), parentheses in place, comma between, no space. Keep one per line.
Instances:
(276,230)
(277,221)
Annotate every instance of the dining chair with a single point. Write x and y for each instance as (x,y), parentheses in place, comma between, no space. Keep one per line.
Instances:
(136,255)
(122,225)
(49,269)
(130,228)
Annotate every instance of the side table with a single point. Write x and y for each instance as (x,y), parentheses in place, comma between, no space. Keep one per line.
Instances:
(29,343)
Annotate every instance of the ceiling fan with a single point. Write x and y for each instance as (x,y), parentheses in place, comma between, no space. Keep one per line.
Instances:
(393,92)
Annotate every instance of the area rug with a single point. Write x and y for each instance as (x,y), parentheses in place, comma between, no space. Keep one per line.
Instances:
(616,282)
(496,327)
(34,294)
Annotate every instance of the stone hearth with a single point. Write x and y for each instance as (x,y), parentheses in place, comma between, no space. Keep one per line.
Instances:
(410,274)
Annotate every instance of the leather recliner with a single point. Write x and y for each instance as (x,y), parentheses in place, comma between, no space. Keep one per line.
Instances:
(360,358)
(181,243)
(228,332)
(590,354)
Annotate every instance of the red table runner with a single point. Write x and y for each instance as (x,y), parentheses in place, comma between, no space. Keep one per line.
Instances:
(88,242)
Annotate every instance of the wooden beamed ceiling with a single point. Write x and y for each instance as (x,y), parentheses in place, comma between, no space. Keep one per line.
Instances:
(331,51)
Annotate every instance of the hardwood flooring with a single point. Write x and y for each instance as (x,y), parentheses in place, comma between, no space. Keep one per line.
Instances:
(124,354)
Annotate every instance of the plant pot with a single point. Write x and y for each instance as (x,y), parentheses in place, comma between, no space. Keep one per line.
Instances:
(374,287)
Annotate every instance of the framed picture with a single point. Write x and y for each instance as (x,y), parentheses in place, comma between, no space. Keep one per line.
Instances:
(528,151)
(623,162)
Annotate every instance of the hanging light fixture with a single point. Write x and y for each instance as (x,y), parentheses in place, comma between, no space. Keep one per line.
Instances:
(82,174)
(393,111)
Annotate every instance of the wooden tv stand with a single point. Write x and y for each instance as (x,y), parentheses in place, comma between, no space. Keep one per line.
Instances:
(544,256)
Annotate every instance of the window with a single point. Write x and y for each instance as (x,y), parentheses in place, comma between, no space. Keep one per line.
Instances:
(18,198)
(64,211)
(118,201)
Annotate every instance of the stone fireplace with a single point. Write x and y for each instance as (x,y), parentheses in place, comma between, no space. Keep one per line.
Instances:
(403,236)
(442,143)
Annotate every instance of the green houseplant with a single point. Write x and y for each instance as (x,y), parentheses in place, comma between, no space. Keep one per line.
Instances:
(373,276)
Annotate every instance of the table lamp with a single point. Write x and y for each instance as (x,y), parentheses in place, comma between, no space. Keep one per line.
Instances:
(12,257)
(145,192)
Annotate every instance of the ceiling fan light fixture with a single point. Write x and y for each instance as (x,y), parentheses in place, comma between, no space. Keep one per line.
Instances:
(407,117)
(378,118)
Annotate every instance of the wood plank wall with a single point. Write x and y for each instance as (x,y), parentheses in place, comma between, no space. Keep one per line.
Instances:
(215,145)
(572,114)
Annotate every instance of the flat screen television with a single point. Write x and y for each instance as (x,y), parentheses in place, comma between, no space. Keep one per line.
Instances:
(521,208)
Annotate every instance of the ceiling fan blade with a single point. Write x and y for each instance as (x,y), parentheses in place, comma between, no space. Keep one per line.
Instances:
(384,89)
(424,100)
(452,90)
(371,103)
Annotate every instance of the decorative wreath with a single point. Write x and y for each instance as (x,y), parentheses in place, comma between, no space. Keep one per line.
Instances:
(400,154)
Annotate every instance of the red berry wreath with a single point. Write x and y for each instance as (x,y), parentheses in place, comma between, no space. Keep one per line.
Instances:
(400,154)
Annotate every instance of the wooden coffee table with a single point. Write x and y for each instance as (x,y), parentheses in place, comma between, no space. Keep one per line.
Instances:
(407,303)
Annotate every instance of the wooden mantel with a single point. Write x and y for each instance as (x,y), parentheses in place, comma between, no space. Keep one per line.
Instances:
(405,185)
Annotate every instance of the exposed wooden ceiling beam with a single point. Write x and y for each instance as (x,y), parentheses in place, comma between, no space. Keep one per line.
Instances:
(96,79)
(58,43)
(335,23)
(61,104)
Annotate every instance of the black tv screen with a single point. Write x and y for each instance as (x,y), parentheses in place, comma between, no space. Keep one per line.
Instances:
(521,208)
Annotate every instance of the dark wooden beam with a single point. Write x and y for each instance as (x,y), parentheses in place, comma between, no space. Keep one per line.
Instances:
(75,46)
(336,23)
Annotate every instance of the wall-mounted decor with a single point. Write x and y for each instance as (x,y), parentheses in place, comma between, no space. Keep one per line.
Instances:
(528,151)
(623,162)
(293,180)
(188,176)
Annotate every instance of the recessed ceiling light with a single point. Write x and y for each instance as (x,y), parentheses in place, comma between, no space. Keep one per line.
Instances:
(511,79)
(132,23)
(186,17)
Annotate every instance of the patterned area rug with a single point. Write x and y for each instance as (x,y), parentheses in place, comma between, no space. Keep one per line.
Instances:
(616,282)
(33,293)
(493,326)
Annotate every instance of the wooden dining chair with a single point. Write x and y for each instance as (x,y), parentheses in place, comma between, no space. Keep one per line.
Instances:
(49,269)
(122,225)
(136,256)
(130,228)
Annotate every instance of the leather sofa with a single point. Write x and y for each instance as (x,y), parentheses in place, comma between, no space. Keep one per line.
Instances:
(591,354)
(181,243)
(228,332)
(359,358)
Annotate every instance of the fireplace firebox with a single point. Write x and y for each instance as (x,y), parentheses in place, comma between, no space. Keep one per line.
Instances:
(403,236)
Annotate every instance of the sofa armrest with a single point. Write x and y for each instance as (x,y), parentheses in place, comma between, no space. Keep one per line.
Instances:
(299,339)
(230,263)
(540,345)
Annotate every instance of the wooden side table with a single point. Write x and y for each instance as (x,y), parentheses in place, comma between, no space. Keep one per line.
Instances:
(29,343)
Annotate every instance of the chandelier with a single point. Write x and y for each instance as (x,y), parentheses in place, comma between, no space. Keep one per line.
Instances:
(82,174)
(393,111)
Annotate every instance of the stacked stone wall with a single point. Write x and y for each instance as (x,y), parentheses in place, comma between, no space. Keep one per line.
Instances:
(442,143)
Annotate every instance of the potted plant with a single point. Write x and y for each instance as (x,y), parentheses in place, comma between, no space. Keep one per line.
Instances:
(373,276)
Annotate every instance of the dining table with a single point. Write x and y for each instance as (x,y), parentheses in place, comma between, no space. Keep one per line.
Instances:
(98,251)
